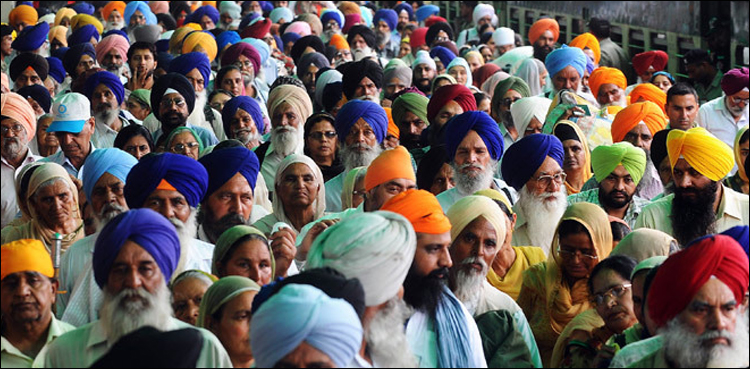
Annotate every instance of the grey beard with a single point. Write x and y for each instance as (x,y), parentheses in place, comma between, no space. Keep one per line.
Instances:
(375,99)
(106,117)
(186,232)
(120,317)
(353,158)
(115,69)
(467,283)
(736,111)
(542,218)
(382,39)
(687,350)
(467,185)
(386,339)
(285,142)
(13,148)
(198,117)
(246,136)
(109,211)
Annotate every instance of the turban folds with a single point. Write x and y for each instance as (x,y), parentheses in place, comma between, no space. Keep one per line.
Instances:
(388,166)
(339,42)
(301,313)
(564,57)
(481,11)
(174,81)
(466,210)
(31,38)
(524,158)
(204,40)
(111,160)
(326,78)
(423,57)
(14,106)
(417,38)
(281,13)
(527,108)
(185,63)
(241,48)
(712,256)
(483,73)
(655,58)
(112,42)
(206,10)
(358,71)
(23,13)
(604,75)
(703,151)
(478,121)
(56,69)
(222,165)
(605,159)
(628,118)
(405,7)
(245,103)
(38,93)
(317,59)
(147,228)
(434,29)
(184,174)
(375,247)
(425,11)
(83,34)
(81,20)
(365,32)
(541,26)
(58,33)
(389,16)
(73,57)
(370,112)
(296,96)
(458,93)
(112,6)
(258,29)
(410,102)
(587,40)
(422,209)
(502,87)
(64,13)
(648,92)
(445,55)
(227,38)
(141,6)
(734,81)
(108,79)
(25,256)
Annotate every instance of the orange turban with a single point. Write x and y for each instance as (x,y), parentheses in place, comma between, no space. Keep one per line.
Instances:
(389,165)
(23,13)
(422,209)
(655,58)
(604,75)
(392,127)
(64,13)
(17,108)
(25,256)
(703,151)
(59,33)
(587,40)
(349,7)
(649,92)
(202,39)
(542,25)
(81,20)
(628,118)
(113,5)
(339,42)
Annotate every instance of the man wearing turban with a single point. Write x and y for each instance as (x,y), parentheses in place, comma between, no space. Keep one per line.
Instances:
(22,16)
(362,41)
(130,241)
(197,69)
(724,116)
(481,15)
(410,115)
(112,53)
(106,93)
(566,67)
(447,102)
(28,69)
(112,14)
(242,120)
(397,77)
(425,70)
(703,74)
(618,169)
(31,38)
(79,59)
(701,323)
(363,80)
(388,42)
(649,62)
(701,204)
(543,35)
(608,86)
(308,67)
(207,16)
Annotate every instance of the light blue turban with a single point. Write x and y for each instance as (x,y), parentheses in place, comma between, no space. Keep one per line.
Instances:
(261,47)
(113,161)
(425,11)
(302,313)
(281,12)
(565,56)
(143,7)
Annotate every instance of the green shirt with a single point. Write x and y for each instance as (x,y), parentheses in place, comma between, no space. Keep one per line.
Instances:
(12,357)
(638,354)
(592,196)
(712,91)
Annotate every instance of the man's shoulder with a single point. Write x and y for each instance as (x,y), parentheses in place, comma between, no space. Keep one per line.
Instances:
(585,196)
(74,340)
(662,204)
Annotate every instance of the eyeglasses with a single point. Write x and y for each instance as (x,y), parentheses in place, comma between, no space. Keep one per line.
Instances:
(737,100)
(569,254)
(614,292)
(16,128)
(245,64)
(181,147)
(545,181)
(180,102)
(319,135)
(508,101)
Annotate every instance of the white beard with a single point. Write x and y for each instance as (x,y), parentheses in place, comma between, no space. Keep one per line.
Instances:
(360,54)
(375,99)
(120,317)
(198,117)
(468,185)
(114,25)
(286,140)
(107,117)
(353,158)
(386,339)
(542,216)
(186,232)
(108,212)
(468,284)
(688,350)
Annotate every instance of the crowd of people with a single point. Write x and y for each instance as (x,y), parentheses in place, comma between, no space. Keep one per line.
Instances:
(333,184)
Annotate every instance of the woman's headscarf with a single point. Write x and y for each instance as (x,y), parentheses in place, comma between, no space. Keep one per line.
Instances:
(349,182)
(645,243)
(461,62)
(530,70)
(319,204)
(567,130)
(221,292)
(179,130)
(229,238)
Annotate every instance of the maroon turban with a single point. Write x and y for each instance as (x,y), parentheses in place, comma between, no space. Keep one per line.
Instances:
(734,81)
(458,93)
(656,58)
(241,48)
(257,30)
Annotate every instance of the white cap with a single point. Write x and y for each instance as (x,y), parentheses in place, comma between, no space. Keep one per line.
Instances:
(504,36)
(70,112)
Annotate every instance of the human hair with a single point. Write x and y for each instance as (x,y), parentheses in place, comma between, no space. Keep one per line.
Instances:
(570,227)
(600,28)
(317,118)
(745,137)
(223,72)
(126,133)
(190,274)
(623,265)
(217,91)
(142,45)
(470,4)
(696,57)
(619,230)
(483,29)
(480,97)
(681,89)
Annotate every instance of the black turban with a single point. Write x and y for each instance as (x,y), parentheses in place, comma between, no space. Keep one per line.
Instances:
(25,60)
(430,166)
(38,93)
(73,57)
(432,32)
(356,71)
(659,147)
(331,96)
(302,44)
(367,33)
(174,349)
(177,82)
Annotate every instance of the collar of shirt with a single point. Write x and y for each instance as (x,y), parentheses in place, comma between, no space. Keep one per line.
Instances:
(30,158)
(730,204)
(56,329)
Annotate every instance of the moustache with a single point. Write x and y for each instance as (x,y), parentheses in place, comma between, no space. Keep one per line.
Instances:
(243,131)
(440,273)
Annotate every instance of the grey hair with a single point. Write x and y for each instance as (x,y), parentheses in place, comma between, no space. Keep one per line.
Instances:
(48,183)
(191,274)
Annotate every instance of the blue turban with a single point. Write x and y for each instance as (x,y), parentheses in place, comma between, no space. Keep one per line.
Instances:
(73,57)
(184,63)
(60,53)
(108,79)
(245,103)
(371,112)
(227,38)
(405,6)
(566,56)
(38,93)
(741,234)
(198,14)
(223,164)
(290,37)
(84,8)
(264,51)
(283,12)
(145,227)
(164,59)
(266,6)
(302,313)
(459,126)
(332,14)
(425,11)
(143,7)
(162,46)
(116,32)
(113,161)
(185,174)
(589,65)
(31,38)
(389,16)
(524,158)
(279,44)
(83,35)
(445,55)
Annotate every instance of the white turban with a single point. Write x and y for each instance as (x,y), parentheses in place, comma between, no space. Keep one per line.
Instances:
(423,57)
(483,10)
(504,36)
(526,108)
(376,248)
(231,8)
(466,210)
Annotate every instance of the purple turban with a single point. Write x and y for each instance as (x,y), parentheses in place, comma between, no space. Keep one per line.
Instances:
(524,158)
(371,112)
(108,79)
(185,63)
(223,164)
(83,35)
(241,48)
(734,81)
(56,69)
(185,174)
(389,16)
(459,126)
(245,103)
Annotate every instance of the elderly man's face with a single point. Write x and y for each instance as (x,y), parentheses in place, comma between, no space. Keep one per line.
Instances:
(207,23)
(54,204)
(682,111)
(737,103)
(28,77)
(14,139)
(567,79)
(361,133)
(545,42)
(242,127)
(443,180)
(231,204)
(170,204)
(173,109)
(108,198)
(544,180)
(472,156)
(113,61)
(134,268)
(85,63)
(610,94)
(285,115)
(379,195)
(358,42)
(196,79)
(27,297)
(137,19)
(245,65)
(366,87)
(640,136)
(713,308)
(394,86)
(476,246)
(103,99)
(646,76)
(186,299)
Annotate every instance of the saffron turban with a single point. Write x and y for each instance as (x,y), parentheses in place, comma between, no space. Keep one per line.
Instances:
(339,42)
(734,81)
(174,81)
(648,92)
(296,96)
(628,118)
(458,93)
(604,160)
(564,57)
(422,209)
(31,38)
(221,165)
(410,102)
(206,10)
(73,57)
(466,210)
(84,8)
(28,60)
(258,29)
(108,79)
(281,13)
(58,33)
(301,313)
(587,40)
(604,75)
(407,8)
(502,87)
(392,127)
(740,234)
(204,40)
(145,227)
(445,55)
(81,20)
(434,29)
(185,63)
(25,256)
(112,42)
(425,11)
(541,26)
(23,13)
(711,256)
(703,151)
(417,38)
(375,247)
(478,121)
(220,293)
(246,103)
(113,161)
(389,16)
(227,38)
(62,14)
(83,34)
(527,108)
(38,93)
(112,6)
(56,69)
(167,171)
(370,112)
(481,11)
(14,106)
(523,158)
(655,58)
(141,6)
(349,7)
(231,55)
(388,166)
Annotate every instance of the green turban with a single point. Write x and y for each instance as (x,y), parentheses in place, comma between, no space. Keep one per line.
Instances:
(511,83)
(221,292)
(413,102)
(229,238)
(605,159)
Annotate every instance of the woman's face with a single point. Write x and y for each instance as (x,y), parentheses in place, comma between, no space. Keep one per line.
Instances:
(662,82)
(186,299)
(459,73)
(250,259)
(322,140)
(218,101)
(474,63)
(614,300)
(137,146)
(574,249)
(233,329)
(139,111)
(184,143)
(232,82)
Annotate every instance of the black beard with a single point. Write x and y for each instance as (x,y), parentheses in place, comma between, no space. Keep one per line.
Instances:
(215,228)
(507,119)
(410,141)
(541,52)
(424,293)
(608,202)
(424,87)
(692,219)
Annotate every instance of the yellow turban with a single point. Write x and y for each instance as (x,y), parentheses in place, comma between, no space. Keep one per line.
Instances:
(176,40)
(64,13)
(587,40)
(194,26)
(703,151)
(605,159)
(649,92)
(466,210)
(422,209)
(25,256)
(202,40)
(497,196)
(113,5)
(389,165)
(23,13)
(628,118)
(59,33)
(604,75)
(81,20)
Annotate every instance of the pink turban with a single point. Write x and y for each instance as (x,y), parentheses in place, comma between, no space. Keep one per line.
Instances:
(14,106)
(159,7)
(107,44)
(301,28)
